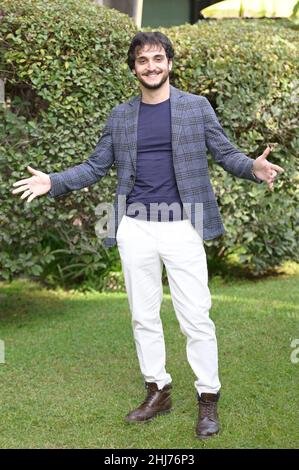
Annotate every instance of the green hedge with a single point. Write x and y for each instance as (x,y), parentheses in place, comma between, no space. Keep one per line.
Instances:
(65,68)
(249,72)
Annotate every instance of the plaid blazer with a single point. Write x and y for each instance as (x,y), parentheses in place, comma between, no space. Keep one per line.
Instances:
(195,129)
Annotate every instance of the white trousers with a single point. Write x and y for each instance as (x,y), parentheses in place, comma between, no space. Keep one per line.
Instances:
(144,246)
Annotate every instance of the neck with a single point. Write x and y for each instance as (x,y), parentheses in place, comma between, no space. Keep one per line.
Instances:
(155,96)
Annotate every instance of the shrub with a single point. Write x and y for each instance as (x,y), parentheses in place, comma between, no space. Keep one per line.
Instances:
(63,62)
(65,68)
(249,72)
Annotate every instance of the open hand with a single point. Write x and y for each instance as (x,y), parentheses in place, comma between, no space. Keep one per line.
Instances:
(264,170)
(37,185)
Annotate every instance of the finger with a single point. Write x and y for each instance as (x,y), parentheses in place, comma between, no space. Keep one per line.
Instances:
(277,168)
(266,152)
(272,174)
(17,183)
(31,197)
(270,184)
(19,190)
(26,193)
(32,170)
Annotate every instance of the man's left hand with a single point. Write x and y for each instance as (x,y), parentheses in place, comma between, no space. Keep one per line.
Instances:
(265,170)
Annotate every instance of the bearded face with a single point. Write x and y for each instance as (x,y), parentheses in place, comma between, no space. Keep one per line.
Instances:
(152,67)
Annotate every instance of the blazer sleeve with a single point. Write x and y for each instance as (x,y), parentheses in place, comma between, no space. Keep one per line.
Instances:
(221,149)
(88,172)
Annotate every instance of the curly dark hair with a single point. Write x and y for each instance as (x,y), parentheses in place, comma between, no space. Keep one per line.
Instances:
(154,38)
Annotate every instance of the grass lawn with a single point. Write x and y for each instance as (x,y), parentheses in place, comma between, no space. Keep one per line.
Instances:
(71,371)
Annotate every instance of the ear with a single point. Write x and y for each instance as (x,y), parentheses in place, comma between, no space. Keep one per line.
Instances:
(170,64)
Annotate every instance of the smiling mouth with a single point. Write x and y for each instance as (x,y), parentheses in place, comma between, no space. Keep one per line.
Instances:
(152,74)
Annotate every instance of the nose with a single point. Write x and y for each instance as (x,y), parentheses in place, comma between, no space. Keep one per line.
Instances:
(151,66)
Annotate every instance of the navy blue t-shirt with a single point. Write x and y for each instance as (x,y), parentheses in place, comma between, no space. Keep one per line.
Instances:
(155,178)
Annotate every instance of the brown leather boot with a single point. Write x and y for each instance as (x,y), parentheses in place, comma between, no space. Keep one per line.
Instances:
(208,423)
(157,402)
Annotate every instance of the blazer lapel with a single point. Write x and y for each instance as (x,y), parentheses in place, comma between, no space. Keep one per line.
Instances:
(177,113)
(131,128)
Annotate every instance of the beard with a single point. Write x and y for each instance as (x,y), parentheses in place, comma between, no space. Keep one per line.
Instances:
(154,86)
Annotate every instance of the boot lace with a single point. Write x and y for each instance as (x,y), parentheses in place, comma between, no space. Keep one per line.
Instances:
(149,398)
(207,409)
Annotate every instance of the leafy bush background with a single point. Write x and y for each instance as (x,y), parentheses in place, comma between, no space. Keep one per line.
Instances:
(64,67)
(64,63)
(249,72)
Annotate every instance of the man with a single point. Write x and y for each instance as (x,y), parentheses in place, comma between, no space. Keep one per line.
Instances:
(158,142)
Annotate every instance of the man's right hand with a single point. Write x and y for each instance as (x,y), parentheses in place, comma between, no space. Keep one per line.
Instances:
(37,185)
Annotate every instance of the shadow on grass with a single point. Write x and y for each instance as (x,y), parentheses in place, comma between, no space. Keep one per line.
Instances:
(25,300)
(230,272)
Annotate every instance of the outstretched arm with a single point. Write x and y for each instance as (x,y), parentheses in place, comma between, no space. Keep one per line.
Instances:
(75,178)
(229,157)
